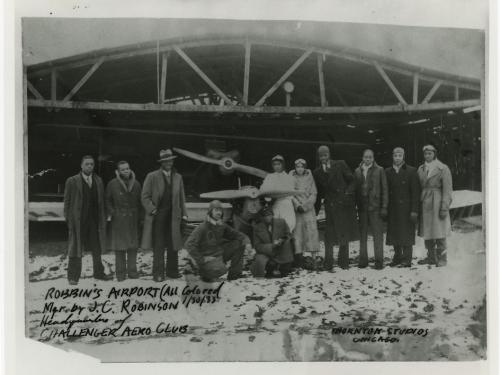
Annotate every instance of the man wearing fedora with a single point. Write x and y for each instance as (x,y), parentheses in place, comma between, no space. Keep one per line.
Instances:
(163,200)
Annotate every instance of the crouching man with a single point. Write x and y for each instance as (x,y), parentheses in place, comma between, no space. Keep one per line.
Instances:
(213,243)
(271,239)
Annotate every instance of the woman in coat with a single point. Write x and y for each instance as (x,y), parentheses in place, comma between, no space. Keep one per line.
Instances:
(435,199)
(124,209)
(306,230)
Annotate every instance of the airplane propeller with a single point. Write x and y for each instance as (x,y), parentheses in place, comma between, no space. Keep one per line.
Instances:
(225,162)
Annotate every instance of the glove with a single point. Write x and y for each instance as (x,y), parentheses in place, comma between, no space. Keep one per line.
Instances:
(383,213)
(300,210)
(443,214)
(414,217)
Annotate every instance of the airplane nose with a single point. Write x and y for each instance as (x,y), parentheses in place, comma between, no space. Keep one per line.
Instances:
(228,163)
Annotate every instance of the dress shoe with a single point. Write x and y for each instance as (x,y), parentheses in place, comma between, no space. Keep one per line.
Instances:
(394,263)
(133,275)
(378,266)
(404,265)
(103,276)
(232,277)
(120,278)
(174,275)
(158,279)
(362,265)
(73,282)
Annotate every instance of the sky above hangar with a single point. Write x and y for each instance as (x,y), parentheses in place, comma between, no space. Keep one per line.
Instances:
(455,51)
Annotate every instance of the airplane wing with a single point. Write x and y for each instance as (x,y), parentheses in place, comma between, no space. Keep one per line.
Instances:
(231,194)
(275,193)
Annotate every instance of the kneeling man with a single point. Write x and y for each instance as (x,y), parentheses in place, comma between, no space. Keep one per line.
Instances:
(213,243)
(271,239)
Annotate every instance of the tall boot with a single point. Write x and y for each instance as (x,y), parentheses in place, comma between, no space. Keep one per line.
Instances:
(396,260)
(298,261)
(430,245)
(440,257)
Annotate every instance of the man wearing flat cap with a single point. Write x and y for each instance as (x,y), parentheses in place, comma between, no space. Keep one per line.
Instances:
(402,215)
(435,199)
(336,185)
(163,200)
(213,243)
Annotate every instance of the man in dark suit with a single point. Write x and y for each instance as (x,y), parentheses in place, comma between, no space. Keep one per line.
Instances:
(404,197)
(84,211)
(163,200)
(271,239)
(335,183)
(371,200)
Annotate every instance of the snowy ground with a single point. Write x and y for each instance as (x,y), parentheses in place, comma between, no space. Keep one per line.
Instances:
(291,319)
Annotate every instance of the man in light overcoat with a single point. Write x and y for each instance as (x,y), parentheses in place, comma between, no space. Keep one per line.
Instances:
(163,200)
(435,200)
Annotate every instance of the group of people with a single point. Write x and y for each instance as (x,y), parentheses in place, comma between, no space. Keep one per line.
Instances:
(354,203)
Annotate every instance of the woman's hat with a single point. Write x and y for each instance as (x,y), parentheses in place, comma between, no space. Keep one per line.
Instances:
(278,158)
(166,155)
(429,148)
(300,162)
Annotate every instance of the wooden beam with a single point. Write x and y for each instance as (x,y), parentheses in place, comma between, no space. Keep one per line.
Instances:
(387,80)
(84,79)
(283,78)
(321,77)
(415,88)
(33,90)
(251,109)
(195,134)
(431,92)
(163,82)
(457,93)
(246,75)
(336,51)
(203,76)
(343,102)
(53,84)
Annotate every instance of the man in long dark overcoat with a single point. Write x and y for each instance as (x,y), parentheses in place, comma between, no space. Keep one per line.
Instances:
(164,202)
(402,216)
(124,210)
(371,200)
(84,211)
(336,185)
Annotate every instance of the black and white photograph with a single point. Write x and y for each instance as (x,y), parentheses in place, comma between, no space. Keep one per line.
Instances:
(228,190)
